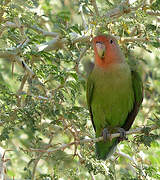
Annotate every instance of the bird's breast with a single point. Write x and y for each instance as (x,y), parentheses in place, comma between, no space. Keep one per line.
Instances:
(113,95)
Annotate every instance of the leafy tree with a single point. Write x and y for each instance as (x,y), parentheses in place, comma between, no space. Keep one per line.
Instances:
(45,58)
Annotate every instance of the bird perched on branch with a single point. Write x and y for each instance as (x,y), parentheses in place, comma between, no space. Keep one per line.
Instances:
(114,94)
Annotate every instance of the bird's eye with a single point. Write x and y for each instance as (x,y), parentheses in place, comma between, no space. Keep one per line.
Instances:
(111,41)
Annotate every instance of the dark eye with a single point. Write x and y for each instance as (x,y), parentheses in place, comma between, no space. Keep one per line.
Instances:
(111,41)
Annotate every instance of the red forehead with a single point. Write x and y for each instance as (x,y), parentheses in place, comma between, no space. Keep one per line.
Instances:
(103,38)
(100,38)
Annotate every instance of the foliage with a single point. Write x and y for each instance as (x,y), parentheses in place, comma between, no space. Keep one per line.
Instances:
(45,52)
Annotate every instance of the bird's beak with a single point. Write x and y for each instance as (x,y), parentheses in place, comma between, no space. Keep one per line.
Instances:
(100,49)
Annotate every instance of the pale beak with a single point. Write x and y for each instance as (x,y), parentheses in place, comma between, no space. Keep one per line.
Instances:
(100,49)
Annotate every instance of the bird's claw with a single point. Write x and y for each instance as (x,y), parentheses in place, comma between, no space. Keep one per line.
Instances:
(122,134)
(106,135)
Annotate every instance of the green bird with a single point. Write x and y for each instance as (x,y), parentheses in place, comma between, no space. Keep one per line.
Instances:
(114,93)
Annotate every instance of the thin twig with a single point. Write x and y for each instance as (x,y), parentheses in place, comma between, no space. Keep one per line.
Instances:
(34,27)
(43,32)
(21,62)
(122,8)
(54,44)
(153,13)
(92,176)
(81,39)
(39,157)
(64,146)
(24,79)
(95,7)
(137,39)
(83,17)
(79,59)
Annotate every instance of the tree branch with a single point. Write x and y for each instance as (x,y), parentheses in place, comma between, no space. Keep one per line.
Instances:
(83,17)
(137,39)
(39,157)
(125,7)
(43,32)
(34,27)
(64,146)
(54,44)
(122,8)
(153,13)
(84,50)
(21,62)
(95,7)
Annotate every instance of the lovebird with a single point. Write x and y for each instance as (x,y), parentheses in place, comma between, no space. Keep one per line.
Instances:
(114,94)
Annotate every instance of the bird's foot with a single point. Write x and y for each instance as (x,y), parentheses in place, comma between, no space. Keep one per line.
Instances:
(106,135)
(122,134)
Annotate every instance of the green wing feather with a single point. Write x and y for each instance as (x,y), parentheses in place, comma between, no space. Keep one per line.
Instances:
(90,87)
(138,95)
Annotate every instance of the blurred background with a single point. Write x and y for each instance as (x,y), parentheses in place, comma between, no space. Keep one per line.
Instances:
(45,58)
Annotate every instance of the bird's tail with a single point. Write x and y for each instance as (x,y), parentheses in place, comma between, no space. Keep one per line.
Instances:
(105,149)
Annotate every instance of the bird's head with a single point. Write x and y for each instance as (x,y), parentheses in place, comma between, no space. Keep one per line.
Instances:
(106,50)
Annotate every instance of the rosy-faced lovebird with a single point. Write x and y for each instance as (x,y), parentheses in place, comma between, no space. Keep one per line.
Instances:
(114,93)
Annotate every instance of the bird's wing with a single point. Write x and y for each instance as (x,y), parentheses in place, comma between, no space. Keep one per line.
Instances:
(89,93)
(138,96)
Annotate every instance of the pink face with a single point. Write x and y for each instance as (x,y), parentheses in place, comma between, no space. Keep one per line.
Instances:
(106,50)
(103,44)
